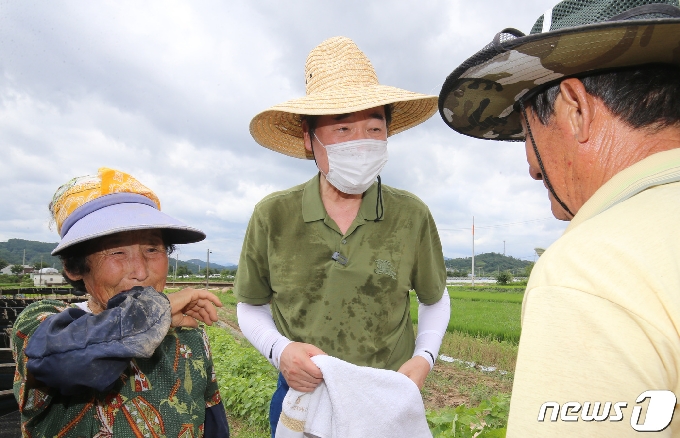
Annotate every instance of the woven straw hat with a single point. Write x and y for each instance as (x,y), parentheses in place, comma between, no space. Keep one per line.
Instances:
(574,38)
(340,79)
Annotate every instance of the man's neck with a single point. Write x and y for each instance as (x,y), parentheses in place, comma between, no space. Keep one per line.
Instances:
(341,207)
(622,146)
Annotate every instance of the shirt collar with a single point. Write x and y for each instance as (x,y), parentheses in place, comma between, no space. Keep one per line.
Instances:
(313,209)
(312,206)
(655,170)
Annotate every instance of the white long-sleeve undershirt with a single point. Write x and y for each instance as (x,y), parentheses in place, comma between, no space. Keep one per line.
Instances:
(433,319)
(257,325)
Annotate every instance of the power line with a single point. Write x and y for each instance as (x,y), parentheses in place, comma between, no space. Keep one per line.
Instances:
(497,225)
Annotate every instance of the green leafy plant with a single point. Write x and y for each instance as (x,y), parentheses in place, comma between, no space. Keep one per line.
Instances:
(504,277)
(17,270)
(487,420)
(246,380)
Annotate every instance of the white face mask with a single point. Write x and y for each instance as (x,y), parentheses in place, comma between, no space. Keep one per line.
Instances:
(354,165)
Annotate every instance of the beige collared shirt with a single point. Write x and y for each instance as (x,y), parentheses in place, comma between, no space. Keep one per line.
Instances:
(601,314)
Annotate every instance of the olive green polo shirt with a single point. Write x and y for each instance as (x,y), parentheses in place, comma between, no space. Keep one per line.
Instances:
(346,294)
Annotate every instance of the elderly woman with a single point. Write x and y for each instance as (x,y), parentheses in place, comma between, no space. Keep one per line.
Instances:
(131,361)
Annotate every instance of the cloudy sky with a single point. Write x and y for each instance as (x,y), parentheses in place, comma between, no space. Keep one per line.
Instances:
(165,90)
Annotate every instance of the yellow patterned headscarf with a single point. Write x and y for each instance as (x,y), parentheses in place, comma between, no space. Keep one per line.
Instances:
(84,189)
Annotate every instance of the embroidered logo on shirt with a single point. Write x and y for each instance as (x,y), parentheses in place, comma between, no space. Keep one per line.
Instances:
(385,267)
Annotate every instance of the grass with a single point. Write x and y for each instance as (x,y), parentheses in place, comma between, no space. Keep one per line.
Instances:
(241,429)
(496,317)
(448,385)
(238,427)
(515,286)
(484,329)
(245,378)
(489,312)
(482,350)
(504,297)
(497,320)
(227,298)
(481,331)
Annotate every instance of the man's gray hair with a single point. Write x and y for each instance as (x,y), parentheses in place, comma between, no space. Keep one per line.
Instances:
(646,96)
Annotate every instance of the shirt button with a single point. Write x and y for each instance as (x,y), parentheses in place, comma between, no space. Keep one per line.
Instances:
(344,241)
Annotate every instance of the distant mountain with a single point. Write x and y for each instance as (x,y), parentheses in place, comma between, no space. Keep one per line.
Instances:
(488,262)
(197,262)
(12,252)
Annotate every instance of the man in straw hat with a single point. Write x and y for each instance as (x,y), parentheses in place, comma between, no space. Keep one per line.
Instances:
(594,92)
(327,266)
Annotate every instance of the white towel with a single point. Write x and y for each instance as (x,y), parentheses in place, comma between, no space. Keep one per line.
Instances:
(354,401)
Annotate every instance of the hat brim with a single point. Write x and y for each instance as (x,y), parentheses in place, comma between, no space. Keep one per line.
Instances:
(279,128)
(480,97)
(127,217)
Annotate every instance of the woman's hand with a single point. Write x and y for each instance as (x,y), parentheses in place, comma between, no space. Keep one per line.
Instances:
(416,369)
(300,372)
(189,306)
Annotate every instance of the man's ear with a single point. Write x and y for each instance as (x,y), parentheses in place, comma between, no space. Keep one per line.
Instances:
(576,108)
(305,136)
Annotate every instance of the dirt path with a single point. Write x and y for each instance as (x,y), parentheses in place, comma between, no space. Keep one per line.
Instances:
(450,385)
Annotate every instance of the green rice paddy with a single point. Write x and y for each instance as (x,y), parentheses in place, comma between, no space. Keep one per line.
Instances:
(482,312)
(501,297)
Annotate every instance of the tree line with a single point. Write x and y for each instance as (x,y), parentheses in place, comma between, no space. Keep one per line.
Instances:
(487,264)
(12,253)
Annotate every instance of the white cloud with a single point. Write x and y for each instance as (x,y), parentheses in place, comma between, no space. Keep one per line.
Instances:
(165,90)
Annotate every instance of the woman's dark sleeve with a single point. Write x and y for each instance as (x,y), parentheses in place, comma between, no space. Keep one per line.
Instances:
(74,350)
(216,425)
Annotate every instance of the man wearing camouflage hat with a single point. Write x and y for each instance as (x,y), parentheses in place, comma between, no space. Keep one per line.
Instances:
(594,92)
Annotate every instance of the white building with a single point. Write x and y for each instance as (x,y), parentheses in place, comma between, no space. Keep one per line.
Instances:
(7,270)
(47,277)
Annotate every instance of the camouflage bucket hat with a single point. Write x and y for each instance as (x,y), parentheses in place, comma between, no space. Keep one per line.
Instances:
(576,37)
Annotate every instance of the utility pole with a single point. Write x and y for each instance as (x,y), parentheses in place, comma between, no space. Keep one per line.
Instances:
(176,258)
(39,272)
(504,248)
(23,262)
(473,251)
(207,270)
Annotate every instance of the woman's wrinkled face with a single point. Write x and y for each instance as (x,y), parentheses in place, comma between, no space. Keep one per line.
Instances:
(124,260)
